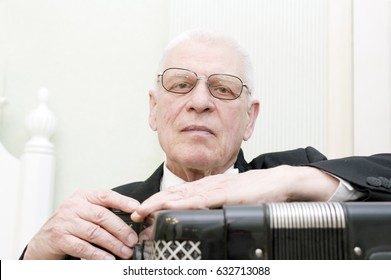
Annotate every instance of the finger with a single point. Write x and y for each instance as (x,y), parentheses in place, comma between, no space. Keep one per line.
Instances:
(152,205)
(146,234)
(96,235)
(82,249)
(177,192)
(110,198)
(209,192)
(106,219)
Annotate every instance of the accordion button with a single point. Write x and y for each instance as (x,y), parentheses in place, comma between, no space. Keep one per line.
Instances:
(357,251)
(258,253)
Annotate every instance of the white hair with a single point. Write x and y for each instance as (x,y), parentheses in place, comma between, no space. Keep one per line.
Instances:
(208,37)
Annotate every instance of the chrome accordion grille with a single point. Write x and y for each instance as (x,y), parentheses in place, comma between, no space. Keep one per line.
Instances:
(172,250)
(306,215)
(307,230)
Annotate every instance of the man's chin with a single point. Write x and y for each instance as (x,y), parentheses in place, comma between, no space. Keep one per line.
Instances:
(198,159)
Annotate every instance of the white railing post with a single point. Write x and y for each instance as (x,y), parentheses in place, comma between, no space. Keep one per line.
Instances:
(37,171)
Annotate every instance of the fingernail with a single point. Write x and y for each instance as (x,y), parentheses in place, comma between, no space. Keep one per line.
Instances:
(109,257)
(134,216)
(126,251)
(132,238)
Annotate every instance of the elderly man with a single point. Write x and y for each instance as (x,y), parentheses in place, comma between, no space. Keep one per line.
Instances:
(202,110)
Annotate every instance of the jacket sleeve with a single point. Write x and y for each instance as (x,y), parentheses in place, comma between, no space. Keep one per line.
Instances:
(371,174)
(295,157)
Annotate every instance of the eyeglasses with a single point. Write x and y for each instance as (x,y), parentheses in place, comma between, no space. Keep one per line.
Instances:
(221,86)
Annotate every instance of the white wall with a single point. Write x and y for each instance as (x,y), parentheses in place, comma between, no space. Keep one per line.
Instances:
(98,59)
(287,41)
(372,76)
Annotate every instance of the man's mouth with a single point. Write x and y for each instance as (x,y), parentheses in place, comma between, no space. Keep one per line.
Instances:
(198,128)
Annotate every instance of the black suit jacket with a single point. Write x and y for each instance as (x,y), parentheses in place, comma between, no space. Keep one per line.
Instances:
(371,175)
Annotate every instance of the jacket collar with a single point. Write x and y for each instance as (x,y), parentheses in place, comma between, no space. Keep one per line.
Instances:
(241,163)
(152,184)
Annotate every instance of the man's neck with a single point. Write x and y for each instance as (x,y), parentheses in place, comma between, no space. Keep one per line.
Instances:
(171,179)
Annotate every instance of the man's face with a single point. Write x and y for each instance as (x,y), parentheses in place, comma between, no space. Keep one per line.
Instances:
(198,132)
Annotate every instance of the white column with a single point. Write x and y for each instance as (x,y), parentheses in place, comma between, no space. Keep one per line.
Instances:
(340,80)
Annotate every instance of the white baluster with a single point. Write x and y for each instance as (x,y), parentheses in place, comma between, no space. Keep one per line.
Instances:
(37,167)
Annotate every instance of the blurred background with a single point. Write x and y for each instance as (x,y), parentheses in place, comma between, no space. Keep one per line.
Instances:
(322,72)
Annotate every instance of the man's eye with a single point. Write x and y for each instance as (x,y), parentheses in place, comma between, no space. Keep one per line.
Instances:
(223,90)
(181,86)
(220,90)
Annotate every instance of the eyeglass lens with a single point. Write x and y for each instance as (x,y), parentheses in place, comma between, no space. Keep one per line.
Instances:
(182,81)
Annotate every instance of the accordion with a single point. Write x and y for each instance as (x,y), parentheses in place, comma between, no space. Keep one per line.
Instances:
(277,231)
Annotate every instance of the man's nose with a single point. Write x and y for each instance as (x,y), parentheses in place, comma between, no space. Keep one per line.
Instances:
(200,98)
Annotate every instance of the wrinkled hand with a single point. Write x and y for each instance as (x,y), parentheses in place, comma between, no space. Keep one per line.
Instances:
(279,184)
(81,221)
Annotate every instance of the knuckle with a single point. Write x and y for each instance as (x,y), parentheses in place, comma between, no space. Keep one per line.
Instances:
(79,248)
(184,192)
(100,215)
(87,251)
(113,246)
(95,254)
(56,234)
(104,195)
(93,232)
(203,197)
(123,228)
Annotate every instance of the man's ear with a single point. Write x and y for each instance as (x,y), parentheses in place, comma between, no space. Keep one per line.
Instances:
(152,109)
(252,114)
